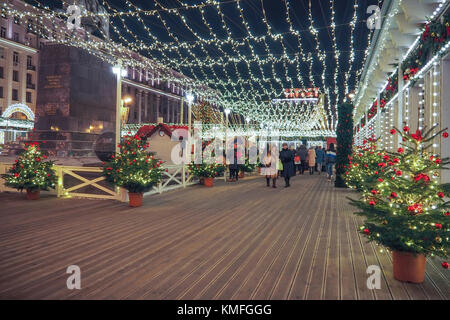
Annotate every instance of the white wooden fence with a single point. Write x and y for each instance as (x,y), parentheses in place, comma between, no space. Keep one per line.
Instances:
(177,176)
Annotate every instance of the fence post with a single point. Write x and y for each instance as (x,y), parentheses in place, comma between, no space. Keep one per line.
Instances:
(3,170)
(60,184)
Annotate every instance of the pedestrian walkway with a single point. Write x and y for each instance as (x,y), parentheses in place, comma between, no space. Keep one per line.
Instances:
(233,241)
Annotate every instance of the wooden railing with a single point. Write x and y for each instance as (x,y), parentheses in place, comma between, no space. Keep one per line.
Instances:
(88,182)
(91,178)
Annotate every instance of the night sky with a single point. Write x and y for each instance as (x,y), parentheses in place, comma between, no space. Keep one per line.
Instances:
(252,75)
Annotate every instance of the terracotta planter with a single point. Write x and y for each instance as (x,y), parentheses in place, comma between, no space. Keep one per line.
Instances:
(241,174)
(135,199)
(208,182)
(409,267)
(33,195)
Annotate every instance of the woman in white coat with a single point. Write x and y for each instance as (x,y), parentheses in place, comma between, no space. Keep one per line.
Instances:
(270,169)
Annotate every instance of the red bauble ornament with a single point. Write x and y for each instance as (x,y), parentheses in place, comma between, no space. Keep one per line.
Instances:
(400,150)
(372,203)
(374,191)
(398,173)
(440,194)
(445,135)
(438,225)
(366,231)
(406,128)
(392,131)
(444,265)
(393,195)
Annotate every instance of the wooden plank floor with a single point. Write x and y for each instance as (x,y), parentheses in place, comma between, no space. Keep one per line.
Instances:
(233,241)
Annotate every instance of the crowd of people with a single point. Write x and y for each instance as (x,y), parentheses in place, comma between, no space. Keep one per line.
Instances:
(292,161)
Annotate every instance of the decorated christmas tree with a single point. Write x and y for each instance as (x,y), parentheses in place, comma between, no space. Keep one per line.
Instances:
(30,171)
(406,209)
(363,170)
(133,168)
(206,170)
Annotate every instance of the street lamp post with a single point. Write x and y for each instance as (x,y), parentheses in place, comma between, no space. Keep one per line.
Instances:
(190,99)
(119,72)
(227,112)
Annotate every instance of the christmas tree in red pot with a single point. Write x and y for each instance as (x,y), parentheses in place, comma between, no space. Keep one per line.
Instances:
(31,172)
(407,210)
(134,169)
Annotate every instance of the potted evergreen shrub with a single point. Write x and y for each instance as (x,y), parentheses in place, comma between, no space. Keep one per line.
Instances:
(247,167)
(31,172)
(133,169)
(206,172)
(405,208)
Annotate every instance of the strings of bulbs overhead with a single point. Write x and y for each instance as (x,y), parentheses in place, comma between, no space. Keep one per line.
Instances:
(243,71)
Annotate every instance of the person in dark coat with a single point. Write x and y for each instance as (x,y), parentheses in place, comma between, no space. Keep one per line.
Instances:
(303,153)
(234,167)
(287,159)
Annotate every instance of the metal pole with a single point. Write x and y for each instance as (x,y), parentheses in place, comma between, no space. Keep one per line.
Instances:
(182,110)
(118,108)
(189,117)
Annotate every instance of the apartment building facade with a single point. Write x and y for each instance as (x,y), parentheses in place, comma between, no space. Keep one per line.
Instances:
(19,43)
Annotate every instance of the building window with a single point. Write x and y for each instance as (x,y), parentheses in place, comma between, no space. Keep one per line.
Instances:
(16,37)
(28,97)
(29,61)
(1,92)
(15,94)
(2,53)
(15,58)
(1,73)
(15,75)
(3,32)
(30,27)
(29,78)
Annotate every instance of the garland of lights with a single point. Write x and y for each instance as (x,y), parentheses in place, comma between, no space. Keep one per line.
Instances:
(234,93)
(434,39)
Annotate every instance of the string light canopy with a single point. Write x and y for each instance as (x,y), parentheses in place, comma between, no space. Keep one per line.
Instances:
(246,51)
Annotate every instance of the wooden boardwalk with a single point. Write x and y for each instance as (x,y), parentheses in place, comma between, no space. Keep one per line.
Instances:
(233,241)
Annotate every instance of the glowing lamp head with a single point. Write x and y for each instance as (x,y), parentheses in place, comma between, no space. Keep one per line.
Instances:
(190,98)
(117,70)
(127,99)
(227,111)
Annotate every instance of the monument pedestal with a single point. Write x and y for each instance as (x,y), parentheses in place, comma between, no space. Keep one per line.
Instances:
(76,101)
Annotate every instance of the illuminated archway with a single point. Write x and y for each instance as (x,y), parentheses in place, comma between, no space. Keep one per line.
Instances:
(19,107)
